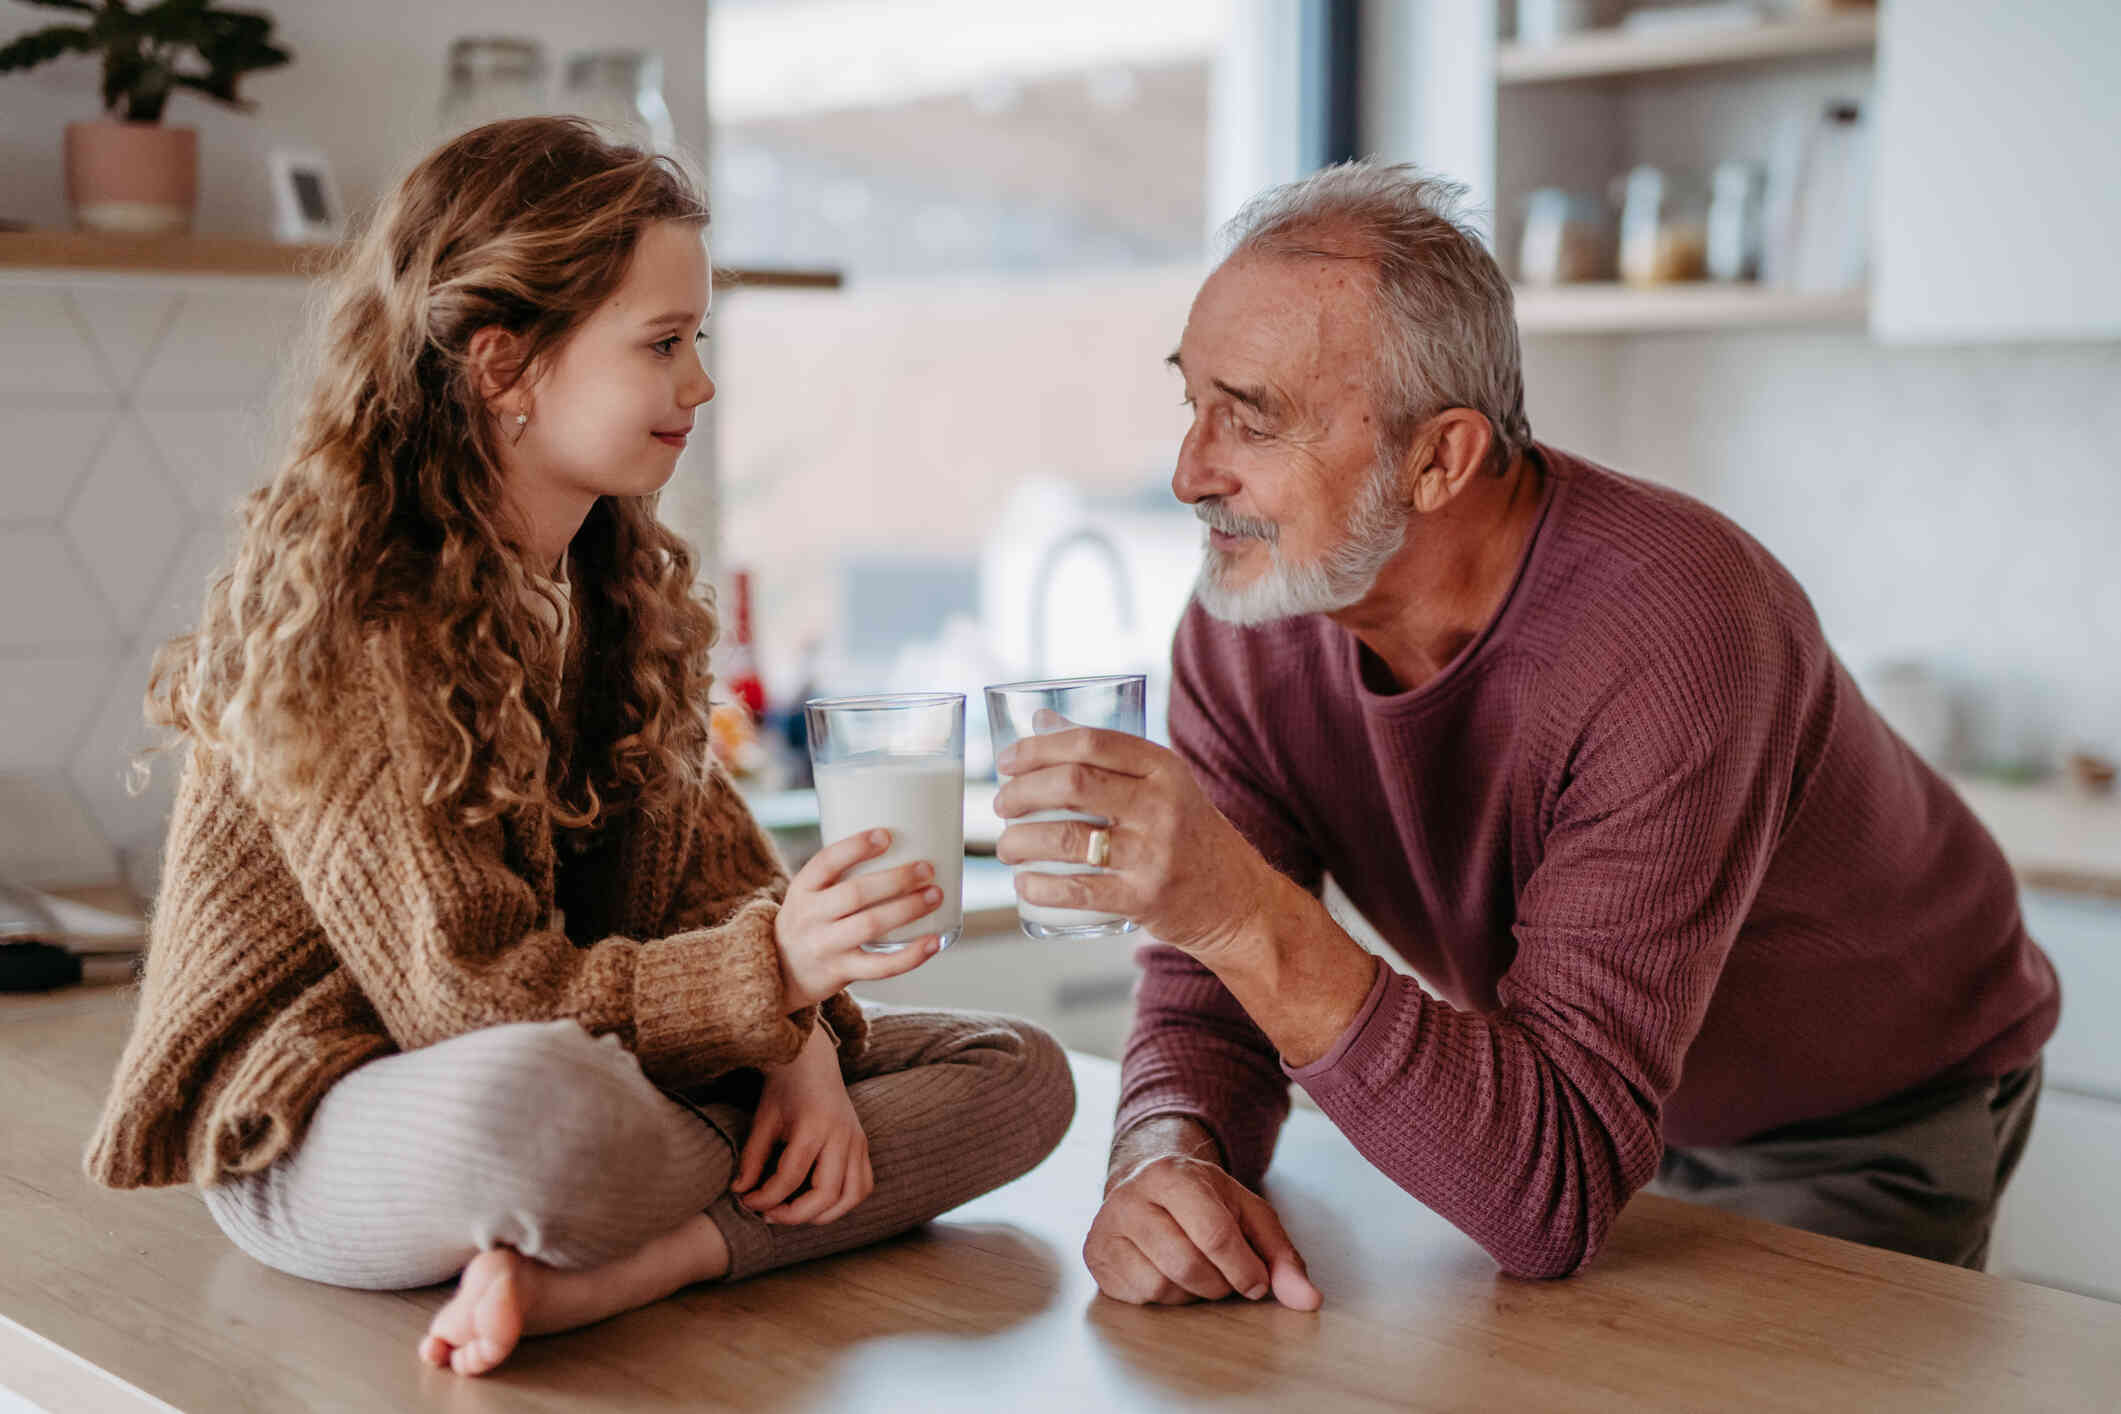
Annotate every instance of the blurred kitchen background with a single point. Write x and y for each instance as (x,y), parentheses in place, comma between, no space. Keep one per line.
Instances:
(1846,272)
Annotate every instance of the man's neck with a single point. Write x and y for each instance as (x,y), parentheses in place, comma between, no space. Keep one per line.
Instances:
(1451,577)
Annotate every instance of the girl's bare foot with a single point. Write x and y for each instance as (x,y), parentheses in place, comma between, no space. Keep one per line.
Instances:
(504,1296)
(484,1320)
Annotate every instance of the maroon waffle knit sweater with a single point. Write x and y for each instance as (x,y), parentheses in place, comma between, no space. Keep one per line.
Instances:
(1668,875)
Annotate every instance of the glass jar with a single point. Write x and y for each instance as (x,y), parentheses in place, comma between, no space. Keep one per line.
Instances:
(1664,235)
(491,78)
(1568,236)
(621,91)
(1736,221)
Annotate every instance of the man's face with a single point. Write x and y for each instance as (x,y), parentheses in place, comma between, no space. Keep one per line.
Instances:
(1280,462)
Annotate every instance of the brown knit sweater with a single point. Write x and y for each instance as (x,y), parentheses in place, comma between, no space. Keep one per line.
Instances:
(282,955)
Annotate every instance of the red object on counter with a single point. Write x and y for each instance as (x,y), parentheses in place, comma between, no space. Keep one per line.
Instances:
(740,671)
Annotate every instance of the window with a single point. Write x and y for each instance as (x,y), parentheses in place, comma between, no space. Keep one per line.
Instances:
(955,470)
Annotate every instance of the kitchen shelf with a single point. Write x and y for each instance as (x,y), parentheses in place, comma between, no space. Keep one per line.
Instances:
(1621,53)
(238,255)
(1606,308)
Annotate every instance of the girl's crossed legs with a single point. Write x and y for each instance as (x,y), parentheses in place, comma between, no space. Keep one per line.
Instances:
(542,1165)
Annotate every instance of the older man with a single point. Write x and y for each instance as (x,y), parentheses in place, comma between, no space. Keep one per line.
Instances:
(1685,908)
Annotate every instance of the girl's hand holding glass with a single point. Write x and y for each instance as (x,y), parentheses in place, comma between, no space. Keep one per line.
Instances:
(826,919)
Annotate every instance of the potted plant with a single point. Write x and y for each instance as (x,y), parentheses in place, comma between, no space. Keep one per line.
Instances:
(127,172)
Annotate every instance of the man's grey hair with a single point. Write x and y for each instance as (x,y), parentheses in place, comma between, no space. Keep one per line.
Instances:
(1446,323)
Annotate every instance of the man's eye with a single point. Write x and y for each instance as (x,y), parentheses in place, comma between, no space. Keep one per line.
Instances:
(1252,434)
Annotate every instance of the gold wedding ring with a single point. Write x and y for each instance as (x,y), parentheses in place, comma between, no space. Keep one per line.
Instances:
(1100,848)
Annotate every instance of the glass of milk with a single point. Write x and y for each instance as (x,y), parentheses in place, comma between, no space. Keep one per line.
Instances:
(1112,703)
(897,763)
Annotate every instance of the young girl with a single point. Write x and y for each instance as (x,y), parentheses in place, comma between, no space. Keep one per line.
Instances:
(467,959)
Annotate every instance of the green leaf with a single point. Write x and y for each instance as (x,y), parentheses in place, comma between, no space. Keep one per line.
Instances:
(220,88)
(40,45)
(143,49)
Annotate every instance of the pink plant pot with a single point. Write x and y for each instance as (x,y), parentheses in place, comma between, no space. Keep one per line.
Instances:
(136,178)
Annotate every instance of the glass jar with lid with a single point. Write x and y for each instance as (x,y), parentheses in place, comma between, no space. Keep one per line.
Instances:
(490,78)
(621,91)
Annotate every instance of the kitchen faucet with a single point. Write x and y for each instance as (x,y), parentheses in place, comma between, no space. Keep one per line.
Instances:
(1042,585)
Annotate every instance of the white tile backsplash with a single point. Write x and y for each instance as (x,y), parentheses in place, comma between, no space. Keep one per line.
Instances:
(131,422)
(127,523)
(47,598)
(41,697)
(47,450)
(124,323)
(47,835)
(103,770)
(43,356)
(213,455)
(223,345)
(177,601)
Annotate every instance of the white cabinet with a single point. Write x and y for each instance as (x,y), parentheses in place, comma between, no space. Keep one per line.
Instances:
(1996,204)
(2058,1224)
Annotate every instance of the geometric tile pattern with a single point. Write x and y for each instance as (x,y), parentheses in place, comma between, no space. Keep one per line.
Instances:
(132,420)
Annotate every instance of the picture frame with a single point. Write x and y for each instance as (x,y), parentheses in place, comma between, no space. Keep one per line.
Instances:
(306,207)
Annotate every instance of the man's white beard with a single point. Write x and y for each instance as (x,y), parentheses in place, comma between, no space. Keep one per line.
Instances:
(1376,528)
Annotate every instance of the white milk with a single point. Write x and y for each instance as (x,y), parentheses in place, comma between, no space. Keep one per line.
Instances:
(1048,917)
(921,800)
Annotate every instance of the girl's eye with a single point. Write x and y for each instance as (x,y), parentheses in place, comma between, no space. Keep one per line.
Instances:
(666,347)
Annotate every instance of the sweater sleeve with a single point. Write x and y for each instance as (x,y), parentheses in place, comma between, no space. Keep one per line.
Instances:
(1193,1051)
(445,935)
(729,865)
(1530,1127)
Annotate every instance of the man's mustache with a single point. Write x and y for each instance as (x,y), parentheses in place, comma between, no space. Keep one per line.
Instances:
(1212,513)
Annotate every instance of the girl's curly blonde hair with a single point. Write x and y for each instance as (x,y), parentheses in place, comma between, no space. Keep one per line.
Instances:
(383,544)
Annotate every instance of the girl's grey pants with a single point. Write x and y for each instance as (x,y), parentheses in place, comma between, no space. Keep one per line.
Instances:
(539,1137)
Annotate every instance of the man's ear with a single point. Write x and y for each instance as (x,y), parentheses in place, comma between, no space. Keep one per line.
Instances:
(1448,452)
(496,358)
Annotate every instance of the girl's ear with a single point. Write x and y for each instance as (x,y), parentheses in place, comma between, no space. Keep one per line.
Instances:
(496,361)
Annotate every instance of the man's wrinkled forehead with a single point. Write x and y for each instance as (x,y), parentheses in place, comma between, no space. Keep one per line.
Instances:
(1280,323)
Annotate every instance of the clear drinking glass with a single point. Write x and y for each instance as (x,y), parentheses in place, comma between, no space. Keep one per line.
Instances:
(1112,703)
(897,762)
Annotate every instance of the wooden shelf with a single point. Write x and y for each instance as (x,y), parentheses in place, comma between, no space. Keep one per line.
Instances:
(1618,53)
(1596,308)
(237,255)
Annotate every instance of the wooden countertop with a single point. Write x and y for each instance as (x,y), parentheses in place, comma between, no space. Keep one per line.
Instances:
(991,1308)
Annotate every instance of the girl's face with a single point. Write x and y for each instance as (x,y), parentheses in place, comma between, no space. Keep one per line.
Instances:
(609,414)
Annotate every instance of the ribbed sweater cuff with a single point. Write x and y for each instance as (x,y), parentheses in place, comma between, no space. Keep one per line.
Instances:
(1331,1071)
(710,1000)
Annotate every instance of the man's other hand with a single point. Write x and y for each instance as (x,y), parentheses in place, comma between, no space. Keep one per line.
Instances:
(1177,1229)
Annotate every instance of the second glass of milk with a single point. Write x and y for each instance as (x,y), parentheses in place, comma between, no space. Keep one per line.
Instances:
(897,763)
(1113,703)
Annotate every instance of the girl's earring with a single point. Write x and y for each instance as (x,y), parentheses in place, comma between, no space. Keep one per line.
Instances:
(522,421)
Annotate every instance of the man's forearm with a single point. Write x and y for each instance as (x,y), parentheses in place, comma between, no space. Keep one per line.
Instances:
(1158,1137)
(1296,972)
